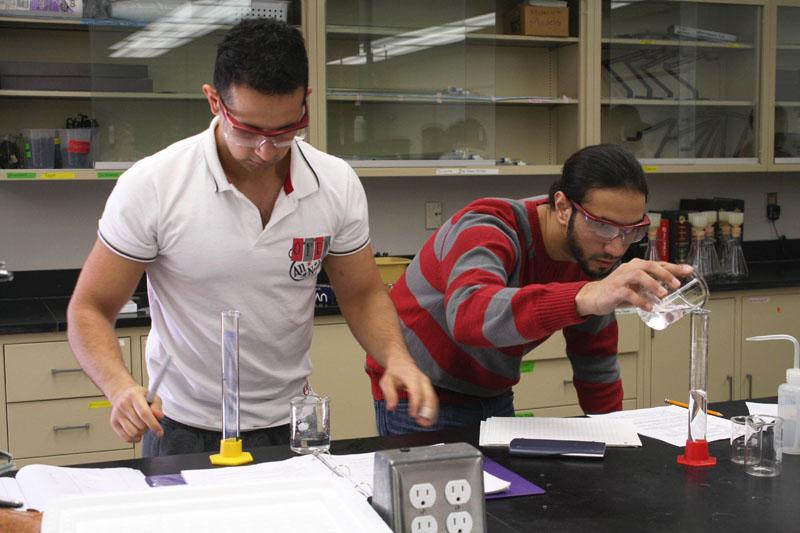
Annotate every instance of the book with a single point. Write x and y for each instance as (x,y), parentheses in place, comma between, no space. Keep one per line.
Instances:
(701,34)
(499,431)
(680,235)
(663,239)
(38,485)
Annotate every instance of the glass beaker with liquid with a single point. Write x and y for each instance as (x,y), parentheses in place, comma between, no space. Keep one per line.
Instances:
(310,424)
(692,294)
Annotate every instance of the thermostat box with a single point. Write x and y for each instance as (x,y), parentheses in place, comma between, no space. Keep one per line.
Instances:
(544,21)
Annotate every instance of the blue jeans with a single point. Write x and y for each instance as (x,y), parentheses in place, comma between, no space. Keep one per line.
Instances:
(398,422)
(179,438)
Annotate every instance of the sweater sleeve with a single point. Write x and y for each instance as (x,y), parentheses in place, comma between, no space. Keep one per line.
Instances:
(592,350)
(481,258)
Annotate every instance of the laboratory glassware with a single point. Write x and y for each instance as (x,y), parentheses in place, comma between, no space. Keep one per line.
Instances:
(651,253)
(696,451)
(737,439)
(737,265)
(763,447)
(231,445)
(310,424)
(692,294)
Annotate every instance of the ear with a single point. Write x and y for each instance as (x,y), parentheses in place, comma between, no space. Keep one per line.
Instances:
(563,208)
(212,96)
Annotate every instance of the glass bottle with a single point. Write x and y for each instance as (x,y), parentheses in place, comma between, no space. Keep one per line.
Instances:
(738,265)
(697,258)
(651,253)
(709,246)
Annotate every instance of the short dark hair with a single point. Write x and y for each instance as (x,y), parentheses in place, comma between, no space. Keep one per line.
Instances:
(602,166)
(265,54)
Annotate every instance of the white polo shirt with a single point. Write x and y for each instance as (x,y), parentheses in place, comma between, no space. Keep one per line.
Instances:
(207,253)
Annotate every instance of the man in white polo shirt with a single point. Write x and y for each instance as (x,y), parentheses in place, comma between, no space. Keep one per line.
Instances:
(241,216)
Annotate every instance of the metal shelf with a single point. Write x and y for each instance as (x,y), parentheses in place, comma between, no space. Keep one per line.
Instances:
(675,43)
(100,95)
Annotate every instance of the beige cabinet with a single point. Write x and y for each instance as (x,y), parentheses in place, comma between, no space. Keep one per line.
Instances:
(339,373)
(545,384)
(669,360)
(55,414)
(764,364)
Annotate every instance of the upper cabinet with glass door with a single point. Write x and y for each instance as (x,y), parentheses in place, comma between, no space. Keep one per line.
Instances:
(681,81)
(420,87)
(787,86)
(87,95)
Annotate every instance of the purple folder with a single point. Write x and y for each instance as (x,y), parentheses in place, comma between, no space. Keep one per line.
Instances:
(519,485)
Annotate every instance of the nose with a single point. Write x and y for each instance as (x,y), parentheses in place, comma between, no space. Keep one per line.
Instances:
(615,247)
(265,148)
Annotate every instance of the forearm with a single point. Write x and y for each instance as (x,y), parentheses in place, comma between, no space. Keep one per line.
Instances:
(95,345)
(373,321)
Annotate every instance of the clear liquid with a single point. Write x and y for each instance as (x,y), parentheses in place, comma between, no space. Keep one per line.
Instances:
(320,442)
(663,315)
(698,409)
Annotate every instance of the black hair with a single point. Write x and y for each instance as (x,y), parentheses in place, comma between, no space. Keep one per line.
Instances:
(602,166)
(265,54)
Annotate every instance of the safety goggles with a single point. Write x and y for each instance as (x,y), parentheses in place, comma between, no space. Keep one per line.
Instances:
(254,138)
(608,230)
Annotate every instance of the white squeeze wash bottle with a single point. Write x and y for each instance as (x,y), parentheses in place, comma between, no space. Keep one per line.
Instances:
(788,397)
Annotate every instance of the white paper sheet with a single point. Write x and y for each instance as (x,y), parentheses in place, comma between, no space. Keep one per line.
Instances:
(498,431)
(754,408)
(39,484)
(669,424)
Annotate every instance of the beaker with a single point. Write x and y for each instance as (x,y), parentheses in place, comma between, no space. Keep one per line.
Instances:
(310,424)
(737,439)
(763,445)
(692,294)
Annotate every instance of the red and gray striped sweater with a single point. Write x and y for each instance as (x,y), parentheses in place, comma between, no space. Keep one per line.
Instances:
(483,292)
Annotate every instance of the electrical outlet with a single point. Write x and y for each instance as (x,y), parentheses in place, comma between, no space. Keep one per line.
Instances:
(457,491)
(422,495)
(772,198)
(460,522)
(433,215)
(424,524)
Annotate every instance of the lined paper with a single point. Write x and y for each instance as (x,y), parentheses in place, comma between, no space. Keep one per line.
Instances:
(498,431)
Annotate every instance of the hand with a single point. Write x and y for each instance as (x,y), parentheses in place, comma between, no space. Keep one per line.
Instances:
(628,284)
(402,373)
(131,415)
(20,521)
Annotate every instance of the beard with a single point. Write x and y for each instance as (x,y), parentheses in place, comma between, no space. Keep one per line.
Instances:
(580,255)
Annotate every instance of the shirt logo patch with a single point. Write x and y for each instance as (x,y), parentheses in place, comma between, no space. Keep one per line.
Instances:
(307,255)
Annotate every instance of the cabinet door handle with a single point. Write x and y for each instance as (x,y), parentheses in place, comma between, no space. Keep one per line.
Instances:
(749,386)
(567,382)
(85,426)
(55,371)
(729,379)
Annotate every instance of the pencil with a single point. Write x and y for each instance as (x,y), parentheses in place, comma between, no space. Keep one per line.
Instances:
(685,406)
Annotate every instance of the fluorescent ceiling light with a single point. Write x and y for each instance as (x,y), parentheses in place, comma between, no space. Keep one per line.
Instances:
(181,25)
(417,40)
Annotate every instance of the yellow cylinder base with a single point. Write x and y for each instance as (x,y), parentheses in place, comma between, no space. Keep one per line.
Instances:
(231,454)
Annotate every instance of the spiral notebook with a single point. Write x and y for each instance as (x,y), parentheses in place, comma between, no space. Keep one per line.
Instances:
(499,431)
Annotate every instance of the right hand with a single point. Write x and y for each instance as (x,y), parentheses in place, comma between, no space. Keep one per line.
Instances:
(131,416)
(624,286)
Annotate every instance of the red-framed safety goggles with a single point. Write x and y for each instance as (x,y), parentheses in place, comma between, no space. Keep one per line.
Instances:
(250,137)
(609,230)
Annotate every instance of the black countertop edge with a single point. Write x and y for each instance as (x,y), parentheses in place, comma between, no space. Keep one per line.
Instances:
(47,315)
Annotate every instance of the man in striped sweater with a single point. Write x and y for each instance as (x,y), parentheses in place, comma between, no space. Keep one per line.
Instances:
(501,276)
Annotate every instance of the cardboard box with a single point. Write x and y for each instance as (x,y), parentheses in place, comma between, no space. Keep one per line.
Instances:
(544,21)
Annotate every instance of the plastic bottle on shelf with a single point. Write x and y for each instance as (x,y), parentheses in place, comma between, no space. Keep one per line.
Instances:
(788,397)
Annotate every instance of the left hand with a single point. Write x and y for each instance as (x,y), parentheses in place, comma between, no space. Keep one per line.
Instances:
(401,373)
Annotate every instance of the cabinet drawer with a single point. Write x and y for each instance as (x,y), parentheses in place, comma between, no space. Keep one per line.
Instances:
(550,383)
(555,347)
(61,426)
(49,370)
(76,458)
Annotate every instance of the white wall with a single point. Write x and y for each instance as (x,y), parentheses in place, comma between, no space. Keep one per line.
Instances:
(52,225)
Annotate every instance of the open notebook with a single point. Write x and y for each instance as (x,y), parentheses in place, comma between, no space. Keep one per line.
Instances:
(37,485)
(498,431)
(354,470)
